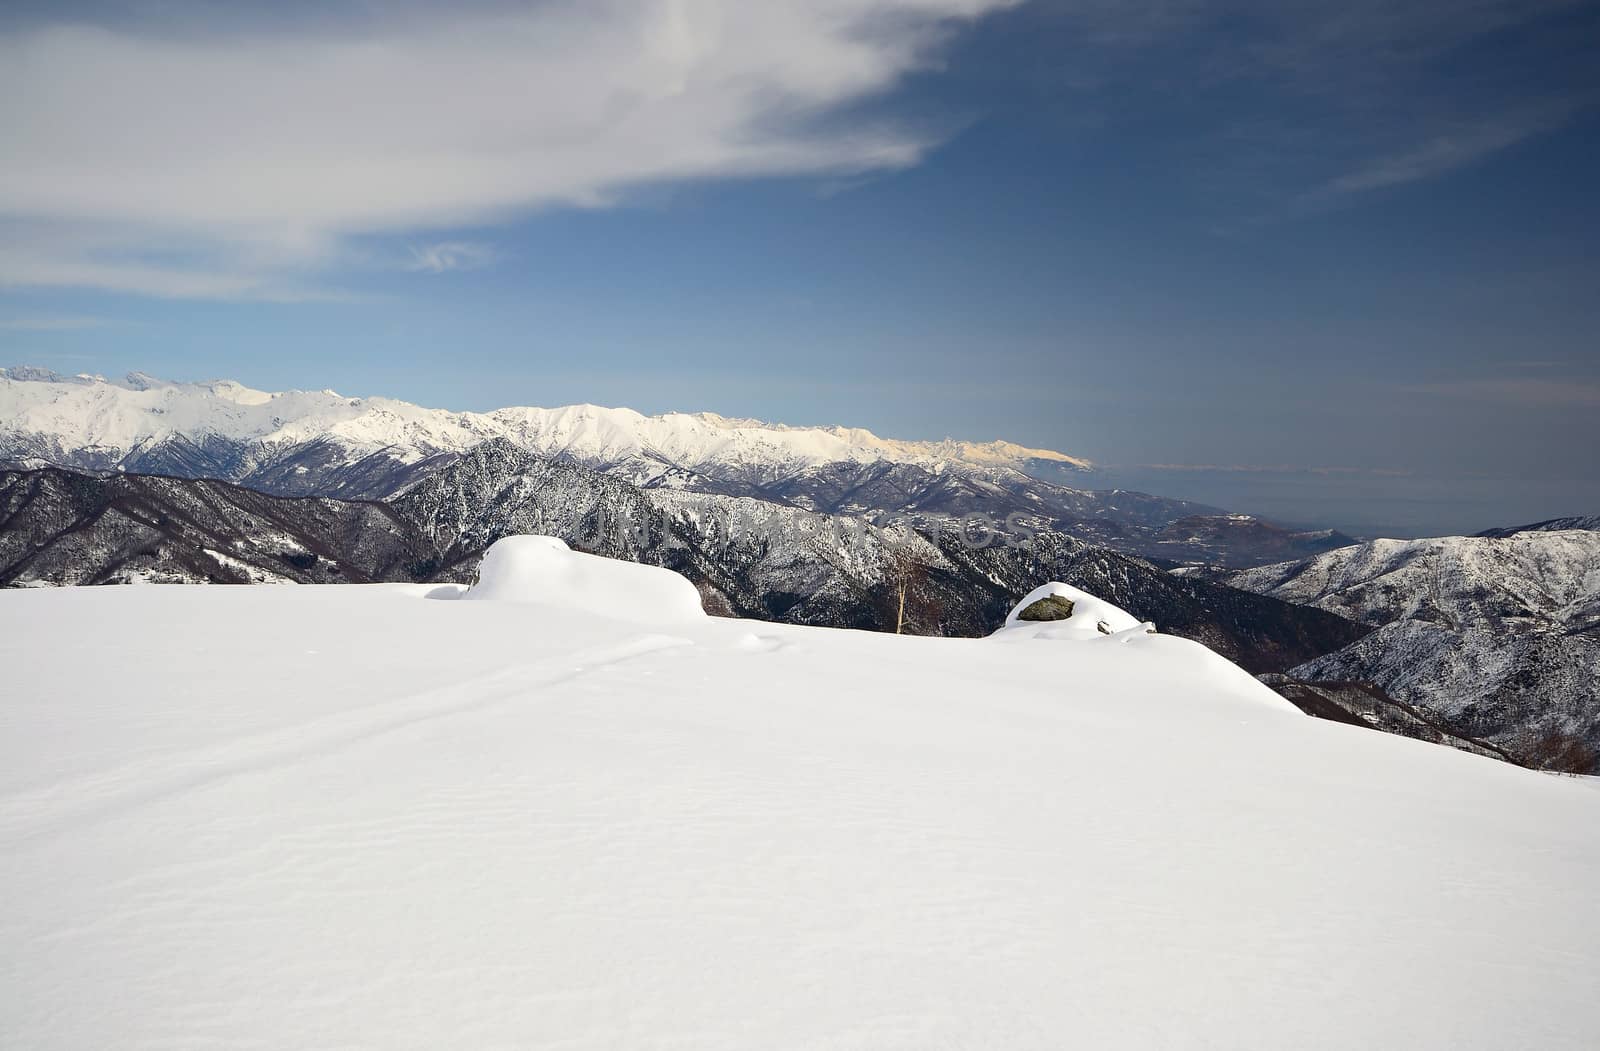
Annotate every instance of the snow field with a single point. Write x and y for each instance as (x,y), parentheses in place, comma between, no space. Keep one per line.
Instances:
(351,817)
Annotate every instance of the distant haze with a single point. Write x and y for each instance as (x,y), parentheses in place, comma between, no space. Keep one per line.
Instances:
(1370,505)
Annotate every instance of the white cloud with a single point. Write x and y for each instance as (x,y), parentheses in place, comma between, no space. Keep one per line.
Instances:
(450,255)
(263,153)
(23,269)
(1449,148)
(53,324)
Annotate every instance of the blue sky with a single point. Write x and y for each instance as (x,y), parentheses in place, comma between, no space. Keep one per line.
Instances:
(1330,262)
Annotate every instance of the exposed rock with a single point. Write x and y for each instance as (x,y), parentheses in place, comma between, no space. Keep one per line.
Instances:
(1051,607)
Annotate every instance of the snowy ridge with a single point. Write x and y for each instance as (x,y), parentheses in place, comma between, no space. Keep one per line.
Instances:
(119,418)
(1497,636)
(1527,581)
(1590,522)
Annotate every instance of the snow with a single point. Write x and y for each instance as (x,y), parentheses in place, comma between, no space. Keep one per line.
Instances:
(349,816)
(1492,634)
(91,412)
(1090,616)
(1527,581)
(543,570)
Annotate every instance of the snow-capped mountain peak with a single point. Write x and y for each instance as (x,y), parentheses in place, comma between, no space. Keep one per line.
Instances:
(41,411)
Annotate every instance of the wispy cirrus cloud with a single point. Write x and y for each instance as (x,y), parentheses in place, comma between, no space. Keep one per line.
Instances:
(54,324)
(22,268)
(1295,103)
(1290,469)
(1449,147)
(266,152)
(1524,391)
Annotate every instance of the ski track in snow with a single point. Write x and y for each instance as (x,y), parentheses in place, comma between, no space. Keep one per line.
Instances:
(271,818)
(60,809)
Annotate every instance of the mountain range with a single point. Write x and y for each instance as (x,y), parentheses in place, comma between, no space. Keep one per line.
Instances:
(1496,637)
(303,443)
(748,557)
(1490,643)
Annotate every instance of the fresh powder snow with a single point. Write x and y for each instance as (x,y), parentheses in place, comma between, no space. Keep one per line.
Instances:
(587,817)
(543,570)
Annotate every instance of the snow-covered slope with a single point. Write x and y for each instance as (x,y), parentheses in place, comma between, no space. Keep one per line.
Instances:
(1549,525)
(1525,582)
(1498,636)
(118,420)
(364,817)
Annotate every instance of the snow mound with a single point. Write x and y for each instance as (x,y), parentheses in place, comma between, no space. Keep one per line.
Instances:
(1061,611)
(544,571)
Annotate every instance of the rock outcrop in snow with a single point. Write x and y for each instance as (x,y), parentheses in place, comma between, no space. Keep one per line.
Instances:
(1058,611)
(542,570)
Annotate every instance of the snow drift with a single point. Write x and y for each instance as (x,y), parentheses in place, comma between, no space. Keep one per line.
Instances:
(543,570)
(1057,612)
